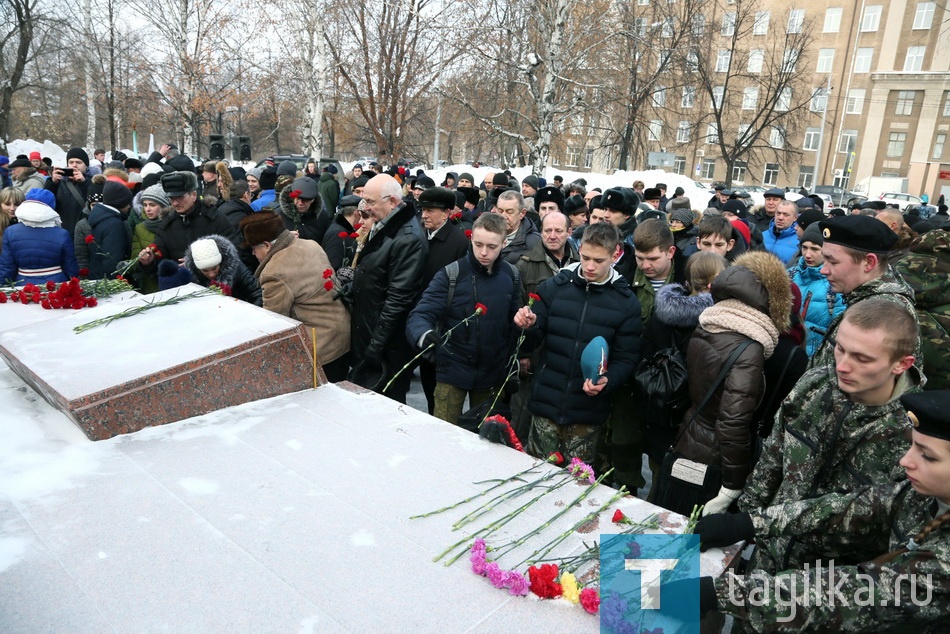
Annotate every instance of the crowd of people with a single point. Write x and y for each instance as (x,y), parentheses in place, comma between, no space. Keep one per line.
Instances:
(802,334)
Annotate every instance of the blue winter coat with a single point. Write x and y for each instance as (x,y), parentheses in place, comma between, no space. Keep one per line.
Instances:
(819,303)
(113,241)
(571,312)
(39,249)
(267,197)
(476,355)
(784,245)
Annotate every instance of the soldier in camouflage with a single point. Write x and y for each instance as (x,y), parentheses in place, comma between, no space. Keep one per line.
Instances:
(907,588)
(855,252)
(927,270)
(841,427)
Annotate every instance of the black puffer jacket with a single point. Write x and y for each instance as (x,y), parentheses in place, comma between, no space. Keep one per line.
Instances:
(386,286)
(570,314)
(244,285)
(311,225)
(177,232)
(339,249)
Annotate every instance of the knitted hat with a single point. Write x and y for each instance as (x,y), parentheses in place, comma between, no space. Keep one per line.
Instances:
(205,254)
(531,181)
(255,172)
(683,215)
(809,216)
(151,168)
(268,178)
(812,234)
(264,226)
(35,156)
(156,194)
(77,153)
(736,207)
(287,168)
(466,176)
(44,196)
(170,275)
(116,195)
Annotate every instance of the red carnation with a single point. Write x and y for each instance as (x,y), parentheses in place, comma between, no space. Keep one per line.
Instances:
(533,297)
(78,303)
(91,301)
(328,285)
(618,517)
(51,285)
(343,234)
(544,581)
(120,278)
(29,288)
(56,302)
(90,239)
(84,272)
(36,297)
(155,250)
(590,600)
(3,298)
(45,304)
(354,235)
(481,309)
(294,195)
(357,226)
(556,458)
(468,234)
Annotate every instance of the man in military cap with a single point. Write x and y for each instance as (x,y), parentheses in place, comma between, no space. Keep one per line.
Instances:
(548,199)
(191,220)
(856,252)
(762,216)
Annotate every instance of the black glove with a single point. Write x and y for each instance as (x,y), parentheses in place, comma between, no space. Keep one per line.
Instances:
(430,344)
(369,373)
(707,596)
(724,529)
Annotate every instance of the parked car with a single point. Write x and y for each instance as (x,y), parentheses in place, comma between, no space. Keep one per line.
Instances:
(840,197)
(900,199)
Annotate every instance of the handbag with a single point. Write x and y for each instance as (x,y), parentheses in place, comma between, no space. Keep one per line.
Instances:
(682,483)
(661,386)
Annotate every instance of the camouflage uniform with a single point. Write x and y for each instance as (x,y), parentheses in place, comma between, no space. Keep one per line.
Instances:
(927,270)
(890,286)
(885,517)
(801,459)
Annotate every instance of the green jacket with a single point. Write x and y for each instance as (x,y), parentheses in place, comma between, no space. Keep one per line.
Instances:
(823,443)
(645,293)
(880,519)
(927,270)
(536,266)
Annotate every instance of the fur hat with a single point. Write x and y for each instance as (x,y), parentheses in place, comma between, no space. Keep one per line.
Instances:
(437,198)
(548,195)
(170,275)
(736,207)
(179,183)
(652,193)
(268,178)
(770,271)
(210,167)
(133,164)
(116,195)
(423,182)
(471,194)
(622,199)
(78,153)
(575,204)
(224,180)
(205,254)
(156,194)
(21,162)
(264,226)
(358,182)
(680,202)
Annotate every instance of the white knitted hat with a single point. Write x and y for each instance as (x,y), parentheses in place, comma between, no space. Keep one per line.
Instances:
(205,254)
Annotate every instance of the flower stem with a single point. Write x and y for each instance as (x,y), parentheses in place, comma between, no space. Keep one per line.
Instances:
(517,476)
(498,499)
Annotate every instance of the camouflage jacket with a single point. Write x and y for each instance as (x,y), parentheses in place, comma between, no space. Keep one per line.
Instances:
(890,286)
(927,270)
(823,443)
(871,596)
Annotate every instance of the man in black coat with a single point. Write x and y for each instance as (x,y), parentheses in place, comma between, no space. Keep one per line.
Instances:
(522,234)
(386,285)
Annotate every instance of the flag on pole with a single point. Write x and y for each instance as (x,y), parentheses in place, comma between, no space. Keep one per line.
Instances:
(151,143)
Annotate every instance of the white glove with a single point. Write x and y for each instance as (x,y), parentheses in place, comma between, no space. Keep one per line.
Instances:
(720,503)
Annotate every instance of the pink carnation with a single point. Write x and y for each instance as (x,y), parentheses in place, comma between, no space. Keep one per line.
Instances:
(495,574)
(516,583)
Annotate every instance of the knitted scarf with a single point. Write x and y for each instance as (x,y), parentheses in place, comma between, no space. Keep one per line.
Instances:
(731,315)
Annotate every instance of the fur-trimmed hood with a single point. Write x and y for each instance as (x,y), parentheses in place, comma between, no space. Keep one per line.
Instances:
(289,209)
(229,260)
(224,180)
(675,307)
(773,294)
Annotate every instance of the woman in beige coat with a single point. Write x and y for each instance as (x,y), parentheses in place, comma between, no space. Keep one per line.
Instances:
(297,281)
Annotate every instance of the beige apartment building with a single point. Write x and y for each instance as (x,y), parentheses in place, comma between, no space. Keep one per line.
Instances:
(877,82)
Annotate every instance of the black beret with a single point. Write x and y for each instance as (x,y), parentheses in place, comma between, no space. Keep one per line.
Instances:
(928,412)
(862,233)
(437,198)
(549,195)
(359,182)
(736,207)
(809,216)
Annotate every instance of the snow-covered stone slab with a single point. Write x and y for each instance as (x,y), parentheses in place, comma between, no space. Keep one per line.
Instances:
(162,365)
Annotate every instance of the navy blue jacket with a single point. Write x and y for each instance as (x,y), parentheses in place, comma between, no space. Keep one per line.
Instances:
(570,314)
(476,354)
(113,241)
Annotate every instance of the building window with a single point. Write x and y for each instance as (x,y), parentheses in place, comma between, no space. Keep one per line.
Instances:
(914,61)
(699,25)
(777,138)
(656,130)
(862,60)
(806,176)
(819,100)
(895,144)
(728,24)
(640,26)
(938,146)
(946,103)
(905,102)
(692,62)
(717,94)
(588,159)
(924,17)
(689,97)
(750,97)
(826,59)
(855,102)
(771,174)
(572,155)
(738,170)
(708,169)
(812,137)
(784,101)
(796,18)
(761,24)
(756,59)
(667,30)
(722,60)
(682,132)
(659,97)
(789,60)
(743,131)
(679,165)
(712,134)
(832,20)
(643,3)
(872,18)
(663,60)
(847,141)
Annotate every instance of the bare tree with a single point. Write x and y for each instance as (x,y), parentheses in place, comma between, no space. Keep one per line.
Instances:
(21,19)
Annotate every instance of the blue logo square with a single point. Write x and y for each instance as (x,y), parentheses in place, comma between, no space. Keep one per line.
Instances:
(649,584)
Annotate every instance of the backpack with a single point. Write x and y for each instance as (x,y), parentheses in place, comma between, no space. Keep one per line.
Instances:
(452,270)
(660,384)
